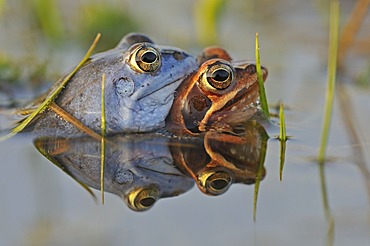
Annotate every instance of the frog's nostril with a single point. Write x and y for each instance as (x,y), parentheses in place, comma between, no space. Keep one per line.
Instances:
(179,55)
(251,69)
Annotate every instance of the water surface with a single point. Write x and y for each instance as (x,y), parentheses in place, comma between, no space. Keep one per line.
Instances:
(41,205)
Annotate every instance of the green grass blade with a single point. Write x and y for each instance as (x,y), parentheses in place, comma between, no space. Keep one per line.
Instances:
(332,69)
(103,131)
(261,86)
(52,95)
(282,136)
(331,79)
(283,139)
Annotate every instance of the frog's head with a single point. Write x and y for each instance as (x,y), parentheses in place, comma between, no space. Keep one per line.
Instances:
(220,93)
(144,84)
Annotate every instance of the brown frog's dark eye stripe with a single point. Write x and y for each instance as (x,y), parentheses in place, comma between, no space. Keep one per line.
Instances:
(195,108)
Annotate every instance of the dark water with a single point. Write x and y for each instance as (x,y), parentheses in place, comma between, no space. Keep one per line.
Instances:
(41,205)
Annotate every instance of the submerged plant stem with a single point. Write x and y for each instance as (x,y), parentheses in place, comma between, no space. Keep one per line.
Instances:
(332,69)
(261,86)
(282,158)
(259,176)
(328,215)
(102,143)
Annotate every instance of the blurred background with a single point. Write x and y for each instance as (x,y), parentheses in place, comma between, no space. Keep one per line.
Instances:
(42,39)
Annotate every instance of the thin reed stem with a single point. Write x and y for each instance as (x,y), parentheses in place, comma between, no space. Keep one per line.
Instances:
(102,144)
(261,86)
(331,79)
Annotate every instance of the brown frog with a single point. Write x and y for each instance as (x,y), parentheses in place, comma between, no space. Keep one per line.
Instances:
(220,94)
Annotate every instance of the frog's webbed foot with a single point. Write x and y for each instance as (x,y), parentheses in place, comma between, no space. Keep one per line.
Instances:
(133,38)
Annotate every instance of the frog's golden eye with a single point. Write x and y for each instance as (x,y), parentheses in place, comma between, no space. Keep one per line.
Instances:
(145,58)
(215,182)
(220,75)
(142,198)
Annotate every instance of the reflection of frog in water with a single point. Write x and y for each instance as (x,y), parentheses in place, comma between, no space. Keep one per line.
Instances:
(138,167)
(221,159)
(220,94)
(141,78)
(143,168)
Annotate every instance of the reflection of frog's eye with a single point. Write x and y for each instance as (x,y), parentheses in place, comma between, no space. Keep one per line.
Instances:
(142,199)
(146,58)
(215,182)
(220,76)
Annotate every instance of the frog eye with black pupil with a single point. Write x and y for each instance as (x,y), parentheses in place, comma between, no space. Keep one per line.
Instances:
(220,76)
(146,59)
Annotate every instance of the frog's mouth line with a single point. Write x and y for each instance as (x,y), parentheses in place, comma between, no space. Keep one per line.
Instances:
(159,172)
(154,91)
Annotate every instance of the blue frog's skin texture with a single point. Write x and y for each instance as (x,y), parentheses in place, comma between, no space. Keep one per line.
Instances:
(141,78)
